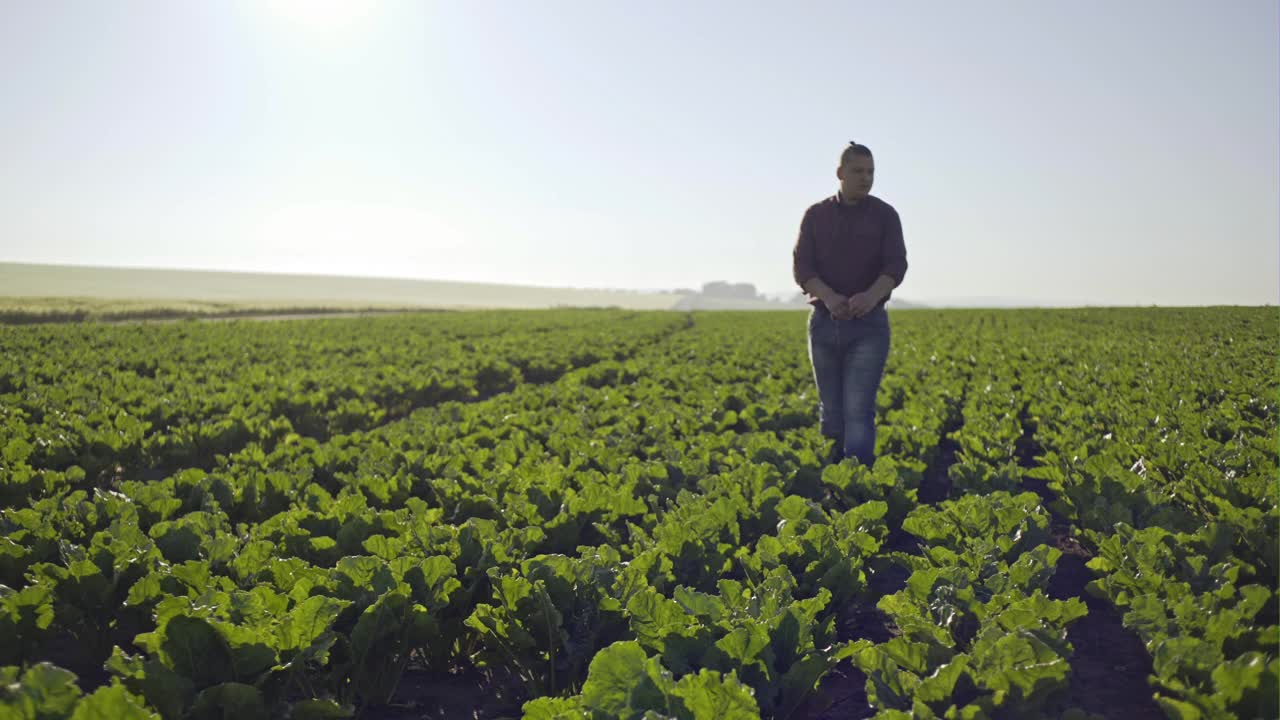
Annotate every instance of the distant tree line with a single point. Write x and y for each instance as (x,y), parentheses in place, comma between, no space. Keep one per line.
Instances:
(742,291)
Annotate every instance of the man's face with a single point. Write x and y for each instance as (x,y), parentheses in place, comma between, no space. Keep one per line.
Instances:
(856,176)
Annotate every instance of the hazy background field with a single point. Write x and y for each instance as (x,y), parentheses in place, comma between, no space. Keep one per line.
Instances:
(52,293)
(62,292)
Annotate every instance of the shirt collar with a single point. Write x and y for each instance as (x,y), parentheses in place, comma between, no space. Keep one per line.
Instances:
(841,203)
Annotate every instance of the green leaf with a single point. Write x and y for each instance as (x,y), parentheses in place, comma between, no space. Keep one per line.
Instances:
(1148,616)
(913,620)
(17,450)
(555,708)
(793,508)
(709,696)
(319,710)
(744,644)
(381,546)
(250,654)
(1232,679)
(888,685)
(114,702)
(433,581)
(699,604)
(791,638)
(379,642)
(254,558)
(1034,568)
(360,577)
(909,655)
(44,691)
(1018,661)
(194,573)
(1177,709)
(936,689)
(194,649)
(496,622)
(178,543)
(800,679)
(1184,657)
(654,618)
(623,682)
(1037,612)
(866,517)
(25,615)
(229,701)
(164,689)
(510,589)
(307,621)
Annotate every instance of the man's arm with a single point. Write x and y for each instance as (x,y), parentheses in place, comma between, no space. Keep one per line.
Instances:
(834,301)
(892,272)
(894,252)
(804,262)
(805,270)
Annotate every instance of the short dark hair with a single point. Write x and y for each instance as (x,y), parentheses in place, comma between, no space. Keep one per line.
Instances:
(854,149)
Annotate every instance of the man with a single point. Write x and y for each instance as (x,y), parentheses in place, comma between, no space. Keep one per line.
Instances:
(848,258)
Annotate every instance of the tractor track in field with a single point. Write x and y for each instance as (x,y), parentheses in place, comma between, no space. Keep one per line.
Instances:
(1109,663)
(842,693)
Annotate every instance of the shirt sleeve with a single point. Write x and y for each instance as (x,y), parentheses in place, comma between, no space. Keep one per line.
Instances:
(804,263)
(893,250)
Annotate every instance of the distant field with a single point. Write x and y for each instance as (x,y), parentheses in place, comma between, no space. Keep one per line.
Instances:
(71,292)
(25,310)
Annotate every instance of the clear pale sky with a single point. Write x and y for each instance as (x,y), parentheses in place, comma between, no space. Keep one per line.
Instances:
(1096,152)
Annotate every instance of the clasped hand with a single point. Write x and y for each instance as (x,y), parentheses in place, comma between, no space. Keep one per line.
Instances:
(856,305)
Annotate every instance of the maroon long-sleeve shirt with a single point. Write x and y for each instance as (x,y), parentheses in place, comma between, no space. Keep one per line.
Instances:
(849,246)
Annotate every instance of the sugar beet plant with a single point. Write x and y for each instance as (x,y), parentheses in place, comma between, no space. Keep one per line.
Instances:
(603,514)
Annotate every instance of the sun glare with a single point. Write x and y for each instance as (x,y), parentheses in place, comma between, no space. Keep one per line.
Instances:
(322,17)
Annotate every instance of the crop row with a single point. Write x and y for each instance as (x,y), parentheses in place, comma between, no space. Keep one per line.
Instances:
(83,405)
(1164,456)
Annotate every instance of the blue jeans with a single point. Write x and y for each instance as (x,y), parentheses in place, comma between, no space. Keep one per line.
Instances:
(848,359)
